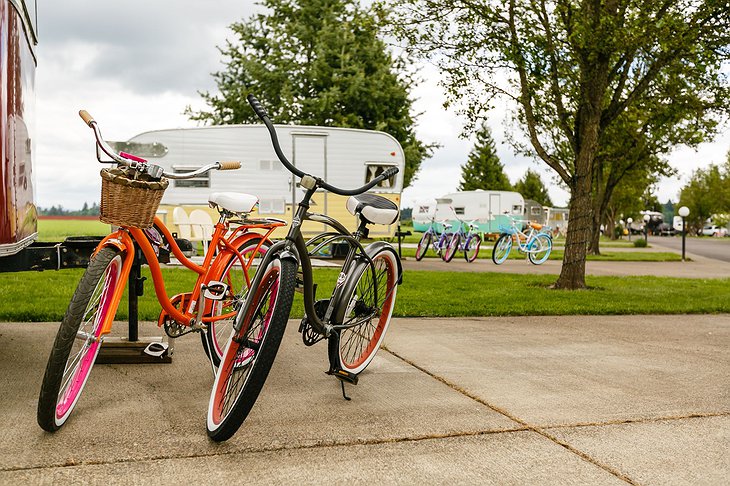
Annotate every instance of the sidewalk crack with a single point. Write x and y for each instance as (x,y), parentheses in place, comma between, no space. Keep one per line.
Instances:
(532,428)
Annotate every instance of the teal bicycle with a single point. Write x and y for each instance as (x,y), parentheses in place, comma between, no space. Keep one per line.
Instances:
(533,239)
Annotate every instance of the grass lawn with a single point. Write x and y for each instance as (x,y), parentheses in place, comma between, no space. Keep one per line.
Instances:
(59,229)
(32,296)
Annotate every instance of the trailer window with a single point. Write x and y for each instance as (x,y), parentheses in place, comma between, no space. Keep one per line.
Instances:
(536,210)
(423,209)
(153,149)
(272,206)
(200,181)
(459,210)
(517,209)
(374,169)
(270,165)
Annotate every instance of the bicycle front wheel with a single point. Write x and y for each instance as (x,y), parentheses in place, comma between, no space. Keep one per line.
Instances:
(251,350)
(423,246)
(216,336)
(471,248)
(452,247)
(366,307)
(539,249)
(501,249)
(79,339)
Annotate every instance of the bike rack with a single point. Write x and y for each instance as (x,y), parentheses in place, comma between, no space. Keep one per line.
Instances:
(131,350)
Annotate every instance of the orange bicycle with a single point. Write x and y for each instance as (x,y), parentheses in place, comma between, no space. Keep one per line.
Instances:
(224,278)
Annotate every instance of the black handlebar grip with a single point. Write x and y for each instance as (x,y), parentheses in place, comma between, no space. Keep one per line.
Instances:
(260,111)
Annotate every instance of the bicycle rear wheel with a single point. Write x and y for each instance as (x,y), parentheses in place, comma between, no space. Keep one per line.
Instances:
(452,247)
(78,340)
(250,352)
(423,245)
(216,336)
(471,248)
(539,249)
(365,308)
(501,249)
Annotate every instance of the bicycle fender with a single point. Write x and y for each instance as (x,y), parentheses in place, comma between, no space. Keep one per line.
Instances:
(119,239)
(373,248)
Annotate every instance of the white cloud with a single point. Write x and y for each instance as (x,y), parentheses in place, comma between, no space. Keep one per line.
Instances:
(136,65)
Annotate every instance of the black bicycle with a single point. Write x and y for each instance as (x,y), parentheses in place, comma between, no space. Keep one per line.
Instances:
(353,320)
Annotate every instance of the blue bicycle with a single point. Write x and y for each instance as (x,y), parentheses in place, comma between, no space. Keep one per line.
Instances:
(439,241)
(536,242)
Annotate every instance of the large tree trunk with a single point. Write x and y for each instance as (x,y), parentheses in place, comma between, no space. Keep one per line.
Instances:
(573,274)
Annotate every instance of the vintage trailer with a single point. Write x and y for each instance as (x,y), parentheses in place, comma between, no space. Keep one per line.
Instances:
(17,79)
(344,157)
(423,212)
(536,212)
(489,209)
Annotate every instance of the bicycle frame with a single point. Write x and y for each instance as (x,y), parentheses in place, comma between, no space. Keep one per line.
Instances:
(519,236)
(294,248)
(127,239)
(438,243)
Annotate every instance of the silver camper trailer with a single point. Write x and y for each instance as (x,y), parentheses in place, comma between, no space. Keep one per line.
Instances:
(343,157)
(489,209)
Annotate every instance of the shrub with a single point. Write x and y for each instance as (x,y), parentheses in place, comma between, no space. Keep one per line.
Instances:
(640,243)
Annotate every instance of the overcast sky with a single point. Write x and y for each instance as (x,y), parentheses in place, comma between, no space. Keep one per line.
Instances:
(135,66)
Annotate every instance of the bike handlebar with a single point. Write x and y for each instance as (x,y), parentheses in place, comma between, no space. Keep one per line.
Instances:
(261,113)
(141,164)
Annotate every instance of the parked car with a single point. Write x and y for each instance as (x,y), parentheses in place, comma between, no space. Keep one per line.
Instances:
(665,229)
(713,230)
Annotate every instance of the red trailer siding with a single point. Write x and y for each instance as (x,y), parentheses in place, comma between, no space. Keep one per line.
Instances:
(17,100)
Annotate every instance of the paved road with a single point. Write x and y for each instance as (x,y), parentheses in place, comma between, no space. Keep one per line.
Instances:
(518,400)
(708,247)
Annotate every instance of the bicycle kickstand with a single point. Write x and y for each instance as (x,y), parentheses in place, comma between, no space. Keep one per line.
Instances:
(344,395)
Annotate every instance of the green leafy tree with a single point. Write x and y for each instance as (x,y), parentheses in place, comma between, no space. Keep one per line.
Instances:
(706,194)
(316,62)
(531,187)
(581,74)
(483,170)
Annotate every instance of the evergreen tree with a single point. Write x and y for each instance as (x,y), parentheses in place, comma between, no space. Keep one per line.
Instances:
(316,62)
(531,187)
(483,170)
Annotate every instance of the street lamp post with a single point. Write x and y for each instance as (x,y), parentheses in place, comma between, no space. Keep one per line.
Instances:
(684,212)
(628,222)
(647,218)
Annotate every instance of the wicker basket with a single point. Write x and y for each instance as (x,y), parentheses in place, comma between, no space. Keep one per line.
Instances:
(129,201)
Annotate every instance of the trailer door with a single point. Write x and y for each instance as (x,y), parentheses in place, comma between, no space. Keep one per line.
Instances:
(495,211)
(310,156)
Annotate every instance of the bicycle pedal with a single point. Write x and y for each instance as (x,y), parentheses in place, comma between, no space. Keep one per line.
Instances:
(215,290)
(343,375)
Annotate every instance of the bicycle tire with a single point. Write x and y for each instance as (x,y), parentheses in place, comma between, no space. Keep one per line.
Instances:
(452,247)
(473,243)
(262,330)
(423,245)
(66,372)
(546,246)
(215,337)
(501,249)
(357,345)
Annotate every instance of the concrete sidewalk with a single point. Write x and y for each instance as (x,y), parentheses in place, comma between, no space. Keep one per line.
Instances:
(528,400)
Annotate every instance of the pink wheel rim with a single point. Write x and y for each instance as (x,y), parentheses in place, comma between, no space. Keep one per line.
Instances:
(81,371)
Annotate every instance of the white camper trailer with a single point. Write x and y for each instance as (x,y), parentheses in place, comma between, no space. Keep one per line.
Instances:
(344,157)
(423,212)
(489,209)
